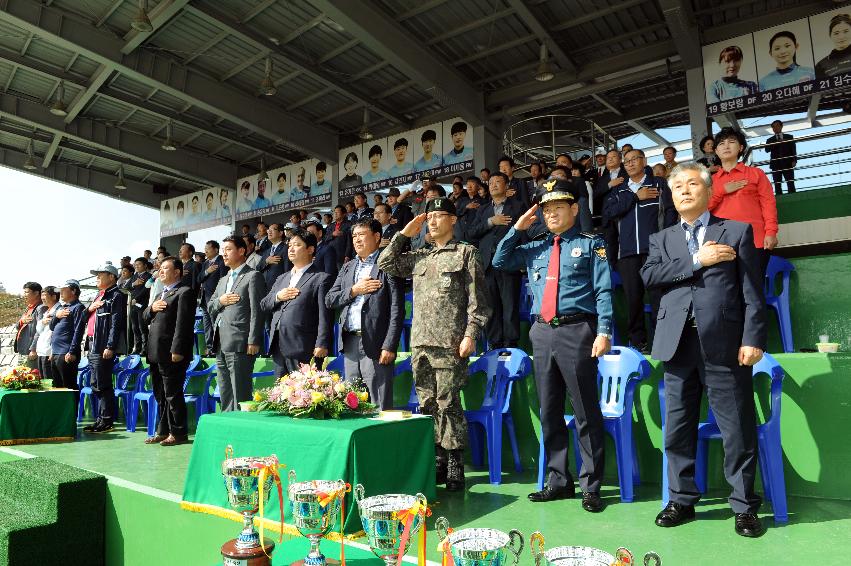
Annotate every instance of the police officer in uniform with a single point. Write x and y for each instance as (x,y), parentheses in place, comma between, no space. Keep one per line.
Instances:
(450,312)
(571,283)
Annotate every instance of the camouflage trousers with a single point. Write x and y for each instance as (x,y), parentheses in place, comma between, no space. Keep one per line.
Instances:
(439,375)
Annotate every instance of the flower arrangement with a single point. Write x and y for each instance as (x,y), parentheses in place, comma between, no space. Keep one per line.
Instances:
(21,377)
(314,393)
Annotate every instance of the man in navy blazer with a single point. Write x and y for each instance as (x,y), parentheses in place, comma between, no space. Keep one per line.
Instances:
(301,323)
(325,258)
(710,330)
(274,262)
(212,270)
(372,315)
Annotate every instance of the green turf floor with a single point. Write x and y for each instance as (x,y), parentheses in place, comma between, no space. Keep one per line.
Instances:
(819,530)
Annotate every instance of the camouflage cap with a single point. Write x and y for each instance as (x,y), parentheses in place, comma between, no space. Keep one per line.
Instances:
(441,204)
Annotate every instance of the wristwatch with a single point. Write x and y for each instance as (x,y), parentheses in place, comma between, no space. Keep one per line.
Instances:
(604,335)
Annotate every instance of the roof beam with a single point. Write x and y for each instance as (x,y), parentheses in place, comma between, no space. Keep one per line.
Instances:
(262,54)
(160,15)
(206,46)
(157,71)
(342,48)
(85,96)
(764,20)
(122,144)
(302,29)
(108,13)
(310,98)
(247,35)
(591,16)
(643,128)
(683,29)
(256,11)
(51,150)
(502,46)
(390,42)
(527,17)
(338,113)
(417,10)
(470,26)
(604,100)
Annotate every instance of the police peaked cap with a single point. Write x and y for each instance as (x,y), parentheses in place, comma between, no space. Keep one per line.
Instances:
(558,189)
(441,204)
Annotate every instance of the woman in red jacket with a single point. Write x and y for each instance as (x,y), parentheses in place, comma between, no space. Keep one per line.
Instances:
(743,193)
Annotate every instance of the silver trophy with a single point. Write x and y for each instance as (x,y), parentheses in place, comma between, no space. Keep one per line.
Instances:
(242,483)
(383,525)
(583,555)
(480,547)
(312,519)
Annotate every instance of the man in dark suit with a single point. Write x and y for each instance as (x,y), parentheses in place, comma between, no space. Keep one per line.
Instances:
(784,157)
(139,295)
(709,332)
(237,324)
(339,234)
(212,270)
(325,258)
(383,215)
(274,262)
(493,220)
(362,209)
(400,212)
(301,323)
(518,189)
(373,311)
(105,340)
(262,242)
(191,268)
(171,320)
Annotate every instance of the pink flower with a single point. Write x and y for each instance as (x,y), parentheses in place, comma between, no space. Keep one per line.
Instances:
(352,400)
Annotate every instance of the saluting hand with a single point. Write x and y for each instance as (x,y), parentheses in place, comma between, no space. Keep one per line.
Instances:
(527,219)
(415,226)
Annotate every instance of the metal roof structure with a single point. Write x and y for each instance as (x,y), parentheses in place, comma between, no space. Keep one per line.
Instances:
(195,78)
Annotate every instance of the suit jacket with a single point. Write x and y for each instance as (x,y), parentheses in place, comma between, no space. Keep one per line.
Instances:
(727,297)
(488,237)
(25,337)
(240,324)
(191,273)
(782,150)
(403,215)
(262,245)
(303,323)
(172,331)
(601,188)
(523,192)
(111,323)
(342,244)
(272,271)
(139,293)
(326,258)
(382,314)
(209,281)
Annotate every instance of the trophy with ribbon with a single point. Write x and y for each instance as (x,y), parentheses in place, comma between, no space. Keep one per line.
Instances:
(391,521)
(478,547)
(315,507)
(249,482)
(583,555)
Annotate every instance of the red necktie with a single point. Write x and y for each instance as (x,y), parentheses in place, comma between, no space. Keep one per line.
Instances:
(548,305)
(90,325)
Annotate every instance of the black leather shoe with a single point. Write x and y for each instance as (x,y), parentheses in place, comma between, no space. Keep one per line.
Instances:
(675,514)
(91,427)
(591,501)
(749,525)
(552,494)
(103,427)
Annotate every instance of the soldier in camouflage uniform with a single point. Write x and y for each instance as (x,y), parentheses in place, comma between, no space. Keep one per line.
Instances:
(450,311)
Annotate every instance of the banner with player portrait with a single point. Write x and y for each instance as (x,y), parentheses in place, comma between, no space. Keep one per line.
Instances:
(301,185)
(795,59)
(444,148)
(196,211)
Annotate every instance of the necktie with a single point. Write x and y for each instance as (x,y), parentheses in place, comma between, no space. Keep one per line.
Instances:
(548,305)
(693,243)
(90,325)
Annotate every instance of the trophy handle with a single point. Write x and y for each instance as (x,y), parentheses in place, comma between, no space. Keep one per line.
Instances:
(652,557)
(291,477)
(624,556)
(421,499)
(516,537)
(358,493)
(536,545)
(442,527)
(228,452)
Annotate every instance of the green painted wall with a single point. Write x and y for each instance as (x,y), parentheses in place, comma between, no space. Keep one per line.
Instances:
(814,205)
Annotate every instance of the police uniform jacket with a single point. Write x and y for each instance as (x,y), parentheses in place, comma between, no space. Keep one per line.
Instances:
(450,300)
(585,282)
(637,219)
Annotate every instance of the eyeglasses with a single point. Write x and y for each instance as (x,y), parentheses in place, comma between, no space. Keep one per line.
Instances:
(633,160)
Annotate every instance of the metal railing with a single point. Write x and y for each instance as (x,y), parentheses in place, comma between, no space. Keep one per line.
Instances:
(549,135)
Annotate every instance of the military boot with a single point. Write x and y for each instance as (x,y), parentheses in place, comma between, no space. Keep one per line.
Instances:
(440,463)
(455,471)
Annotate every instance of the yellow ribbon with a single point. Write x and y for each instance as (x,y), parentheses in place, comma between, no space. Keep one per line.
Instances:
(324,500)
(271,469)
(407,516)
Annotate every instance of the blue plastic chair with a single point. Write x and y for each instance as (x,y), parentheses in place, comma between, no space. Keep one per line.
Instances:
(413,404)
(618,372)
(198,331)
(770,449)
(85,389)
(501,367)
(405,339)
(123,372)
(337,365)
(127,382)
(198,395)
(146,396)
(780,303)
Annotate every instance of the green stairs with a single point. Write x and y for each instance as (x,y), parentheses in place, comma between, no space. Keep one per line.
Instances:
(51,513)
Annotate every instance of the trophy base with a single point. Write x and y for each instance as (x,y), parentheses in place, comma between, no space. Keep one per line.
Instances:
(233,556)
(328,562)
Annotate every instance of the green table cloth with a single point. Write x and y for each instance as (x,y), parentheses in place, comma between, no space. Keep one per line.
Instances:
(384,456)
(27,417)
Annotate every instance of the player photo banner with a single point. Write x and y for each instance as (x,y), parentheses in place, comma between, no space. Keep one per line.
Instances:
(444,148)
(196,211)
(301,185)
(798,58)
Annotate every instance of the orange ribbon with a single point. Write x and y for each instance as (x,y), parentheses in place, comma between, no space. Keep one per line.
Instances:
(443,546)
(272,470)
(407,516)
(325,499)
